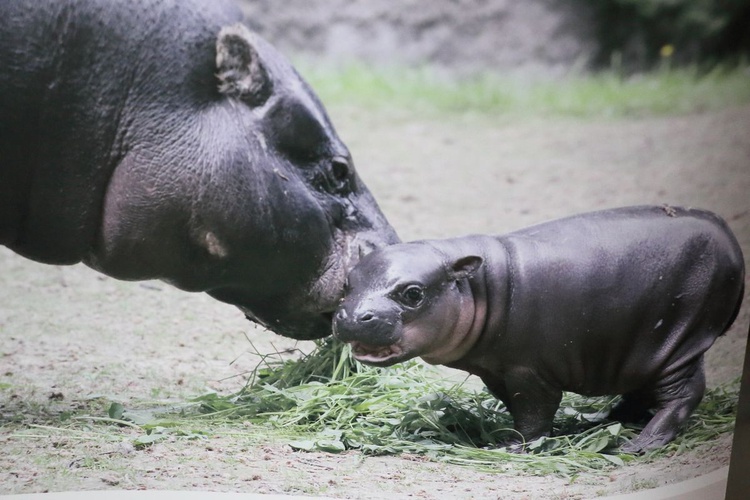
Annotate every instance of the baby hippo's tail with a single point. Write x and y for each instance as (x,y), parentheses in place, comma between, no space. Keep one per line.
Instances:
(735,262)
(736,309)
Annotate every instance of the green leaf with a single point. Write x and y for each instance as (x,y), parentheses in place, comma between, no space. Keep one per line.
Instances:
(148,439)
(326,445)
(213,402)
(537,443)
(331,446)
(615,459)
(597,444)
(303,445)
(115,411)
(139,417)
(159,424)
(615,429)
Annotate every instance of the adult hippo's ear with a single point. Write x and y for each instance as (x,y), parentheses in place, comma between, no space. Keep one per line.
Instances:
(240,71)
(465,267)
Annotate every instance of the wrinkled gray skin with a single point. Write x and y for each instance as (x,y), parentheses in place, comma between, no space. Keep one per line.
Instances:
(623,301)
(162,139)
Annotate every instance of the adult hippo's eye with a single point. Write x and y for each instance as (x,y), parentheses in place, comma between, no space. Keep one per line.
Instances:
(340,174)
(340,169)
(412,295)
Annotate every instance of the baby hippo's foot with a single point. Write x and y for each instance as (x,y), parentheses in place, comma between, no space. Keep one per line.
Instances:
(645,442)
(515,446)
(632,447)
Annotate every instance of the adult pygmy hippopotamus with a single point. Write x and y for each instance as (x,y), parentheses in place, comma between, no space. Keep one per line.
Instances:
(621,301)
(164,140)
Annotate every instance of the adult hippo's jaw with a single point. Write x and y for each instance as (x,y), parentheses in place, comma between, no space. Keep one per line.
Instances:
(308,313)
(164,140)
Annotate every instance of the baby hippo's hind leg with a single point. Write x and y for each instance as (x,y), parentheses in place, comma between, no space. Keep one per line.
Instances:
(634,408)
(674,401)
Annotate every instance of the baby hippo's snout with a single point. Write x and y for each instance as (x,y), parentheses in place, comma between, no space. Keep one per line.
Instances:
(373,328)
(364,324)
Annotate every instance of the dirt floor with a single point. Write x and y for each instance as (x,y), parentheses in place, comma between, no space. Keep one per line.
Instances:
(73,340)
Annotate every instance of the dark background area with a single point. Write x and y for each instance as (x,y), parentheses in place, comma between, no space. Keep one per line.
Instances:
(549,37)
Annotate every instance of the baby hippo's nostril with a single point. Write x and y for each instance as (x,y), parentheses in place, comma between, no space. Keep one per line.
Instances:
(341,315)
(366,316)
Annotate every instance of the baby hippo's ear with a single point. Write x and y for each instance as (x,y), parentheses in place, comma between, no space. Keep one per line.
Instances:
(465,267)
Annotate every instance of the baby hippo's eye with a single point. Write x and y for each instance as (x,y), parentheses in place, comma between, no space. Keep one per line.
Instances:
(412,295)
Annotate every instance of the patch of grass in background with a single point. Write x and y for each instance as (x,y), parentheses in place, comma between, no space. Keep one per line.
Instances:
(605,94)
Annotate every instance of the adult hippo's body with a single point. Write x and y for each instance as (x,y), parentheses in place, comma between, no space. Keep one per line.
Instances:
(162,139)
(623,301)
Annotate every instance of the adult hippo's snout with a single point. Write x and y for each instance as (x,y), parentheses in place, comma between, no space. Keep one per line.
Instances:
(310,314)
(175,144)
(296,290)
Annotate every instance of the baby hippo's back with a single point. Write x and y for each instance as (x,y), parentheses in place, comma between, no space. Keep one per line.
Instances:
(609,301)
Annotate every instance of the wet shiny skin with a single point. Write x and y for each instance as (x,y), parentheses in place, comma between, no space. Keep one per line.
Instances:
(622,301)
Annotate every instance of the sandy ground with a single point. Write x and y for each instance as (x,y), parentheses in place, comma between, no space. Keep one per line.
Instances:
(73,340)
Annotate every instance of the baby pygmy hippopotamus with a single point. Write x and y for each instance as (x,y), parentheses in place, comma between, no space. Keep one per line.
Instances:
(623,301)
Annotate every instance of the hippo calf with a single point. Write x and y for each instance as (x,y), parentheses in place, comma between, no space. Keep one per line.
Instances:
(622,301)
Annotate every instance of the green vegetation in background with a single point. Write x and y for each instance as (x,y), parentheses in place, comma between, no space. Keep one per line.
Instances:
(606,94)
(696,31)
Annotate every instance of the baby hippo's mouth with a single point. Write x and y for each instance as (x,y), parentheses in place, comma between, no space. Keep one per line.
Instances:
(378,355)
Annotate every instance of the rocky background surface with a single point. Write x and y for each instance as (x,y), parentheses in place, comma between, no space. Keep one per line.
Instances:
(530,36)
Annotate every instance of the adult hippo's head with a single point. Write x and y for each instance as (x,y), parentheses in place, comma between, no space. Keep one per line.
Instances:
(180,146)
(313,217)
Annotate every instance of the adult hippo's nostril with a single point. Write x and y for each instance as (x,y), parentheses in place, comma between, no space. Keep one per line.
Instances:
(341,315)
(366,316)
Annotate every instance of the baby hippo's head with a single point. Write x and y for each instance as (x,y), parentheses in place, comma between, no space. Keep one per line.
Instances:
(404,301)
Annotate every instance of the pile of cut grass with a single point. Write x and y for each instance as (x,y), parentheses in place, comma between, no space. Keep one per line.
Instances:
(327,401)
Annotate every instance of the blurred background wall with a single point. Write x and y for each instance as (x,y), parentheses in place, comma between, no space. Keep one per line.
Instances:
(528,36)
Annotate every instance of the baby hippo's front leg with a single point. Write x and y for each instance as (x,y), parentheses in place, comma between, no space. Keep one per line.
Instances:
(531,402)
